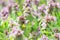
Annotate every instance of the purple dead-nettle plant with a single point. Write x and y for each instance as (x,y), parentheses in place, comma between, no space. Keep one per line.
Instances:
(49,18)
(45,12)
(27,8)
(53,4)
(44,25)
(54,0)
(3,3)
(57,35)
(53,18)
(44,37)
(9,6)
(12,6)
(42,9)
(51,1)
(50,7)
(56,30)
(38,31)
(15,29)
(25,5)
(21,19)
(27,11)
(16,7)
(12,24)
(36,2)
(10,2)
(28,1)
(35,14)
(15,32)
(58,4)
(4,13)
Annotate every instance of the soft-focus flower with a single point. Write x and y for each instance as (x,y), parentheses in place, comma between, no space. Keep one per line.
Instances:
(44,37)
(57,35)
(41,8)
(37,2)
(38,31)
(49,18)
(54,4)
(21,19)
(28,1)
(51,1)
(45,11)
(4,13)
(55,30)
(54,0)
(50,8)
(28,10)
(58,5)
(13,24)
(16,6)
(9,6)
(15,32)
(3,3)
(44,25)
(38,28)
(53,18)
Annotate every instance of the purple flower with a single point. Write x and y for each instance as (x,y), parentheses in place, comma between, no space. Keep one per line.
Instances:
(44,37)
(44,25)
(37,2)
(28,1)
(21,19)
(4,13)
(49,18)
(3,3)
(57,35)
(58,5)
(16,6)
(41,8)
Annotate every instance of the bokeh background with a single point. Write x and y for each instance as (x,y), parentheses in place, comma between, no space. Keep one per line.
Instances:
(29,19)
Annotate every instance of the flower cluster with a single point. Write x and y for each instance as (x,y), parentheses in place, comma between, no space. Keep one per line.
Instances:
(30,19)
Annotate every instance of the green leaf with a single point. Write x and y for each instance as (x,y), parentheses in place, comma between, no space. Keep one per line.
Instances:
(19,13)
